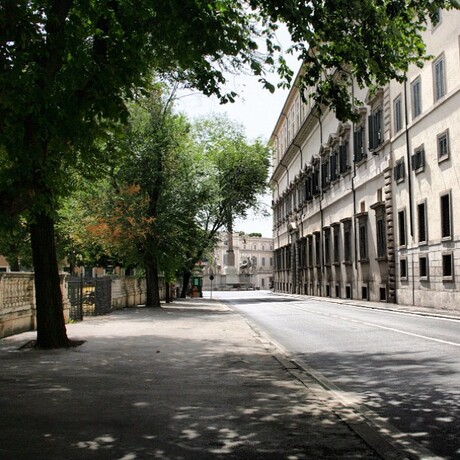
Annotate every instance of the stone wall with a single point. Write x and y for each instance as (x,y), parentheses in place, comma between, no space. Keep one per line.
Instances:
(128,291)
(17,303)
(17,299)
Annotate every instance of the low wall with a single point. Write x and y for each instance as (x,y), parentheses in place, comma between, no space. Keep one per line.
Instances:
(128,291)
(17,299)
(17,303)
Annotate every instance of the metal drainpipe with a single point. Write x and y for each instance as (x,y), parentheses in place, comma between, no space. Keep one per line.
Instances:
(320,208)
(409,184)
(301,220)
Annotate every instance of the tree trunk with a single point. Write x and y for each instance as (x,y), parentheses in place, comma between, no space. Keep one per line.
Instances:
(168,292)
(153,286)
(186,275)
(14,264)
(51,331)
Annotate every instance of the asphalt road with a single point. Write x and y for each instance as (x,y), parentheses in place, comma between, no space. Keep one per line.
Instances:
(404,367)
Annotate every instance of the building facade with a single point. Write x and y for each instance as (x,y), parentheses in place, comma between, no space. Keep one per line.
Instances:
(366,210)
(253,266)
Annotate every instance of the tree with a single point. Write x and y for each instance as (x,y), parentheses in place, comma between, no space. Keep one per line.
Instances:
(15,244)
(68,67)
(144,213)
(234,174)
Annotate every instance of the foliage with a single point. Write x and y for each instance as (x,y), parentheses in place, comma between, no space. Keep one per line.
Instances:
(367,40)
(15,244)
(234,172)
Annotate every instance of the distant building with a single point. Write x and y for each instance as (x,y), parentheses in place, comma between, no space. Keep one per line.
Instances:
(366,210)
(253,263)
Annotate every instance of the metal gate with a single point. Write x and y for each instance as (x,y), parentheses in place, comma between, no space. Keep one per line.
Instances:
(89,296)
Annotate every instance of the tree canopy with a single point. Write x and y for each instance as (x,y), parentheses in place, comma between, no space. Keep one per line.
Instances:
(67,69)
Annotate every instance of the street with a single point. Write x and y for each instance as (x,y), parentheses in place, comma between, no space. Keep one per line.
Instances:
(403,367)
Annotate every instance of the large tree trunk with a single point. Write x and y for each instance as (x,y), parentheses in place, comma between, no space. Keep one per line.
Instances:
(153,286)
(51,331)
(186,275)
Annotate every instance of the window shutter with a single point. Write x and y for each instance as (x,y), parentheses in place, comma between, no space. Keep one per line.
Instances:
(356,152)
(371,127)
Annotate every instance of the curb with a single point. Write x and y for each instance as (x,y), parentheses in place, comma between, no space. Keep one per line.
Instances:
(386,441)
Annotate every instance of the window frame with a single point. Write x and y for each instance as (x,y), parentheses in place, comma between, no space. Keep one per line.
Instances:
(416,97)
(400,171)
(446,233)
(397,114)
(447,276)
(347,241)
(418,159)
(403,274)
(439,78)
(423,276)
(444,156)
(422,239)
(402,228)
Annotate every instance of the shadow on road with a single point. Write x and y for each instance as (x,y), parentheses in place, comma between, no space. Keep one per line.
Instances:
(172,383)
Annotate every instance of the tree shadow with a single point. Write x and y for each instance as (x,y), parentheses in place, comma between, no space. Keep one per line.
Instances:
(417,394)
(145,385)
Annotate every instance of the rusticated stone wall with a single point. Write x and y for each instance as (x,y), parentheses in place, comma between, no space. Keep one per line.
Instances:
(17,299)
(128,292)
(17,303)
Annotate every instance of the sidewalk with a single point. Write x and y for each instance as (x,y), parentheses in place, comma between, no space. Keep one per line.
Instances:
(188,381)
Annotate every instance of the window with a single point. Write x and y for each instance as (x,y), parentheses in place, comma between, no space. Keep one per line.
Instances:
(317,249)
(422,224)
(436,19)
(310,250)
(358,144)
(325,173)
(315,182)
(397,114)
(402,228)
(263,261)
(363,240)
(418,160)
(327,246)
(446,217)
(443,146)
(439,78)
(380,225)
(416,92)
(336,237)
(381,237)
(423,267)
(347,241)
(308,188)
(399,171)
(375,126)
(403,269)
(271,261)
(343,153)
(334,165)
(447,267)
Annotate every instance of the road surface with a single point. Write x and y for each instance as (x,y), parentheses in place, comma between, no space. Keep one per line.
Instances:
(404,367)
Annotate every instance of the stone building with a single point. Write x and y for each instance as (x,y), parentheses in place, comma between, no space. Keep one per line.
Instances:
(253,266)
(366,210)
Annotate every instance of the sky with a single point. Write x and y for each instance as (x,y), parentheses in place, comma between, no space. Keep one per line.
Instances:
(256,109)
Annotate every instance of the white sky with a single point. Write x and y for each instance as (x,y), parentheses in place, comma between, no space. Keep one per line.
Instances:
(256,109)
